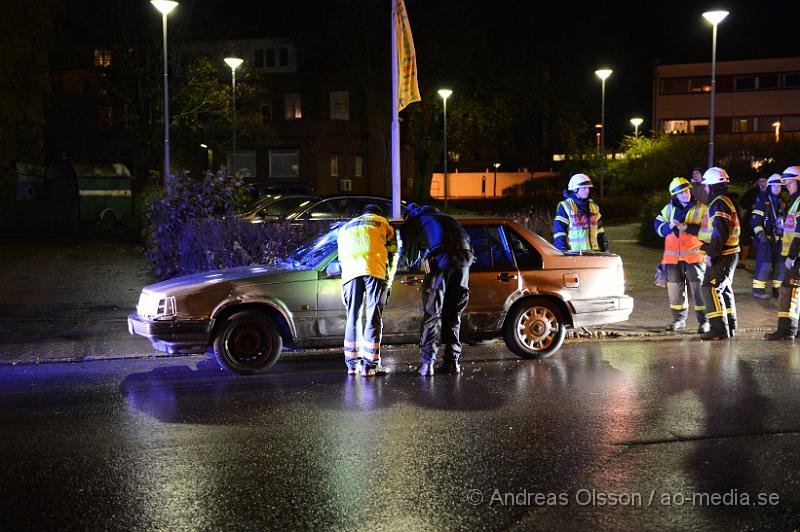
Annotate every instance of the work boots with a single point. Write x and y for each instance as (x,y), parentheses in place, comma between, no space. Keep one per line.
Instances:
(676,326)
(787,330)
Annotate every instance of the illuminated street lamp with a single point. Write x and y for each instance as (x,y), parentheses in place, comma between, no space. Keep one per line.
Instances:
(445,94)
(210,154)
(165,6)
(234,63)
(714,17)
(603,74)
(636,123)
(777,126)
(494,188)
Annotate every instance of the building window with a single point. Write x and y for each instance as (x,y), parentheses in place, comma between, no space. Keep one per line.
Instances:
(283,57)
(702,84)
(359,166)
(266,112)
(269,61)
(699,125)
(744,84)
(258,60)
(105,116)
(764,123)
(791,80)
(284,163)
(340,105)
(293,107)
(334,165)
(102,58)
(768,81)
(790,123)
(674,127)
(742,124)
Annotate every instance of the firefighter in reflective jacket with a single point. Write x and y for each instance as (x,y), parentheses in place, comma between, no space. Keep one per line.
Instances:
(367,255)
(577,225)
(679,223)
(788,298)
(720,236)
(766,220)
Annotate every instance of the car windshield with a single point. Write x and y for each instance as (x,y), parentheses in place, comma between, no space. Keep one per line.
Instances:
(313,251)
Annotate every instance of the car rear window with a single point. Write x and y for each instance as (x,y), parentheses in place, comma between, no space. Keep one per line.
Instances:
(491,249)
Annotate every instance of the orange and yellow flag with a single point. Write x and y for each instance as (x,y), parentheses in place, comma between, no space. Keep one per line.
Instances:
(408,89)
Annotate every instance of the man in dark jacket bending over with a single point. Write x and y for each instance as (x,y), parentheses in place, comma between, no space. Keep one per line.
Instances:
(446,256)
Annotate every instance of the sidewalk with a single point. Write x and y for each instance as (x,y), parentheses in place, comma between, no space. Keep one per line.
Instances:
(68,300)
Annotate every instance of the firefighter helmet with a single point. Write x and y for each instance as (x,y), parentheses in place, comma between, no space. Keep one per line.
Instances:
(715,175)
(579,180)
(678,185)
(793,172)
(775,179)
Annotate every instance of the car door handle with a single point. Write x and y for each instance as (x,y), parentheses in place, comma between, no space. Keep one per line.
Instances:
(411,281)
(506,277)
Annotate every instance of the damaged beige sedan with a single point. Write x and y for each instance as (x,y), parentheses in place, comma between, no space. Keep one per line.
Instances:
(522,289)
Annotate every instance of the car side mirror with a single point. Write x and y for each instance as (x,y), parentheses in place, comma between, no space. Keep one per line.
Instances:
(334,269)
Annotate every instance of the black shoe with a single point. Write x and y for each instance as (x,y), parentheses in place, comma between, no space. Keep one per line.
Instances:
(425,369)
(375,371)
(715,335)
(779,335)
(449,367)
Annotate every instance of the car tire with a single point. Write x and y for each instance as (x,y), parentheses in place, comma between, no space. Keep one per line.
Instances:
(534,328)
(247,343)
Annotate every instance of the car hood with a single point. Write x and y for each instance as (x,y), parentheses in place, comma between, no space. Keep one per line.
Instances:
(233,277)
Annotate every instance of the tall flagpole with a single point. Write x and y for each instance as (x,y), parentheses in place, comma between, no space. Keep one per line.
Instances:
(395,120)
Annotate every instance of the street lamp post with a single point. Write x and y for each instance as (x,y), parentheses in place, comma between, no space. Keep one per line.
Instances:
(603,74)
(210,155)
(714,17)
(636,123)
(777,126)
(165,6)
(445,94)
(234,63)
(494,186)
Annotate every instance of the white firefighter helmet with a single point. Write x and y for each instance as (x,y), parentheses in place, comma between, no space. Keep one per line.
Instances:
(775,179)
(715,175)
(579,180)
(792,172)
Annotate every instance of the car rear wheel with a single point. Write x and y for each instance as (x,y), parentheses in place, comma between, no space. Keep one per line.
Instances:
(247,343)
(534,328)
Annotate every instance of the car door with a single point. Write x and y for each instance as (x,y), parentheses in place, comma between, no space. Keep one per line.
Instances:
(493,279)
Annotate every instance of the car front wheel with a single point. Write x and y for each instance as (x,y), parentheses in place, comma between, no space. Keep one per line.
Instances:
(247,343)
(534,328)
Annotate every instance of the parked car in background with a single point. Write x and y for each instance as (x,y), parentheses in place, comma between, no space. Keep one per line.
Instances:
(276,207)
(522,289)
(339,207)
(273,189)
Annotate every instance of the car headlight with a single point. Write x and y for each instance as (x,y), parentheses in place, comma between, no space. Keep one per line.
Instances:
(155,306)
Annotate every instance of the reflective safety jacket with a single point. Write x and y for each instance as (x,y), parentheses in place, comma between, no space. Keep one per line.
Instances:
(768,215)
(681,246)
(791,231)
(720,229)
(367,246)
(578,226)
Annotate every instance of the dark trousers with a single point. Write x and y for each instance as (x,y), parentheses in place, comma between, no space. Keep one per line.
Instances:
(445,295)
(768,262)
(364,294)
(788,307)
(718,293)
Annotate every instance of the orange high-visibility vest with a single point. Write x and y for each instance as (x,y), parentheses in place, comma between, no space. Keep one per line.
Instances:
(683,247)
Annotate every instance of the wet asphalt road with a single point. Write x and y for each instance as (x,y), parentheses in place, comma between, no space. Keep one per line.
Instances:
(626,435)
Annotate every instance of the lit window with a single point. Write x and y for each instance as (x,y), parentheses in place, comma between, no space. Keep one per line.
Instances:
(293,107)
(699,125)
(102,58)
(340,105)
(334,165)
(284,163)
(359,166)
(673,127)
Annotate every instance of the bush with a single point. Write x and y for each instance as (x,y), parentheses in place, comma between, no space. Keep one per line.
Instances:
(650,209)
